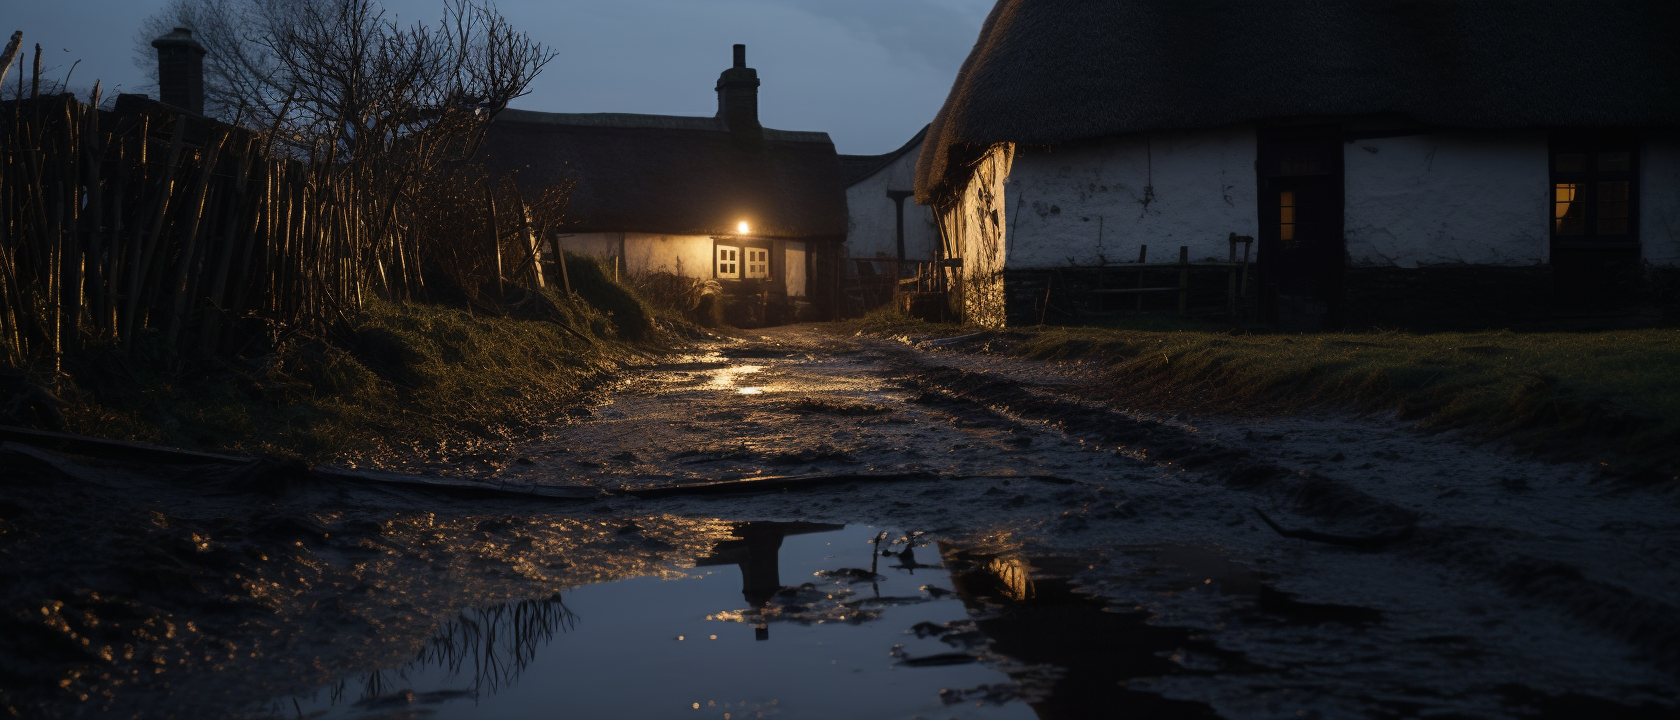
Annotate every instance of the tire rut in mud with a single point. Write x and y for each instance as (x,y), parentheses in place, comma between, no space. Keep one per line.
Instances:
(1347,516)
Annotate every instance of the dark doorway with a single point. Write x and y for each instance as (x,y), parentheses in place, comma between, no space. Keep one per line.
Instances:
(1301,256)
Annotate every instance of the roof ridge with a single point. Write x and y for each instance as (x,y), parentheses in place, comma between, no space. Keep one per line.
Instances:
(652,122)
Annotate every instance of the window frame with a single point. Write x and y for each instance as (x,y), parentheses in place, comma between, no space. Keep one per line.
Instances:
(719,262)
(747,263)
(1588,182)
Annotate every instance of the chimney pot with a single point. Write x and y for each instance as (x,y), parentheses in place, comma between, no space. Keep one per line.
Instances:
(737,90)
(181,70)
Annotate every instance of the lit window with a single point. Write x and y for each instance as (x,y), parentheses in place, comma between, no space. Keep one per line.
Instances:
(1571,216)
(1286,205)
(1595,190)
(758,263)
(728,261)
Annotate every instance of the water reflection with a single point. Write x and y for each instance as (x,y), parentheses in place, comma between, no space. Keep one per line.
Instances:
(1069,655)
(755,550)
(490,646)
(653,646)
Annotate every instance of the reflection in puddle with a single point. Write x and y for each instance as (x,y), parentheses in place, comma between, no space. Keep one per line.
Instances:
(728,378)
(702,645)
(1068,654)
(845,622)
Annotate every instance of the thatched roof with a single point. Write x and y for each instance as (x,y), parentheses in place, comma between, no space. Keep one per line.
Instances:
(1045,72)
(674,175)
(856,168)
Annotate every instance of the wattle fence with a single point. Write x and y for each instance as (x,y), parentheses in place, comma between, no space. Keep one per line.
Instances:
(142,219)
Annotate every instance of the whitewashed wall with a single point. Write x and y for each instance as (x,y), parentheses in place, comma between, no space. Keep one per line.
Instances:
(1098,200)
(1659,200)
(1447,197)
(975,222)
(794,268)
(687,255)
(872,225)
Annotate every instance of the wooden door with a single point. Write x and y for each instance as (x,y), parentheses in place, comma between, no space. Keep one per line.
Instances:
(1302,256)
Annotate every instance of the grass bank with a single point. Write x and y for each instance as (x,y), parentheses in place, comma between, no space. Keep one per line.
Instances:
(398,380)
(1609,396)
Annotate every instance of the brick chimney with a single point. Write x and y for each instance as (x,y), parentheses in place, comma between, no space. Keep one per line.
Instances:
(737,90)
(181,70)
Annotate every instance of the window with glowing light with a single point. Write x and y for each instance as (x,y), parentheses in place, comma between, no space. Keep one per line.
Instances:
(728,261)
(758,263)
(1286,212)
(1594,191)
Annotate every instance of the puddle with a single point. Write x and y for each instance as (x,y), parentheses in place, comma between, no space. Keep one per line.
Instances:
(794,619)
(790,619)
(1071,655)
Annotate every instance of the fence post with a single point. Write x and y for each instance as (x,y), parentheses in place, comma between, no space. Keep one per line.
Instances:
(1231,279)
(1143,255)
(1183,279)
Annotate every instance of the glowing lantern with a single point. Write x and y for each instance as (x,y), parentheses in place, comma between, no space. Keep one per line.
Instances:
(742,228)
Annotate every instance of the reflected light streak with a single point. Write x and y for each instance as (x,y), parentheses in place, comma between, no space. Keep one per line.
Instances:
(726,378)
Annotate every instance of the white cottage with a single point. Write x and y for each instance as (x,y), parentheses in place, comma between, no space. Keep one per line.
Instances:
(887,234)
(760,211)
(882,222)
(1401,162)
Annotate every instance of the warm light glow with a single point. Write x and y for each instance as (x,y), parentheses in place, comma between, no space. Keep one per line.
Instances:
(742,227)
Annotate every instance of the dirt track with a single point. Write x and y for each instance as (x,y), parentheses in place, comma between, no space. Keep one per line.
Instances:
(1419,575)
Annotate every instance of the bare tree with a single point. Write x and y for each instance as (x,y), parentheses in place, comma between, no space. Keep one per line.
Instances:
(338,76)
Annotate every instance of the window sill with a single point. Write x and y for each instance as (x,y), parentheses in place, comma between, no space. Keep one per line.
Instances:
(1595,244)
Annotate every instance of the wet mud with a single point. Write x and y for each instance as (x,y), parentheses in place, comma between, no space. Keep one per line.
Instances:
(1009,547)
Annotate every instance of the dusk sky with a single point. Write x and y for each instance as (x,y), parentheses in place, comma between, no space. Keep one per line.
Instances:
(870,73)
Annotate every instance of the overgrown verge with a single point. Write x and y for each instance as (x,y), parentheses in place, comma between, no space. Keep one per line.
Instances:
(1608,396)
(396,380)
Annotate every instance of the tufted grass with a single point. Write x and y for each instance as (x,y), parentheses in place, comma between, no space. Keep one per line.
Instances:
(400,381)
(1610,396)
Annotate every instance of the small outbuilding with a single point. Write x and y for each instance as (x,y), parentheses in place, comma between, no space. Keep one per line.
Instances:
(888,236)
(1400,162)
(760,211)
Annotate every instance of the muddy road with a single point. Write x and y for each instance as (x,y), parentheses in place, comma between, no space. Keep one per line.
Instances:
(798,524)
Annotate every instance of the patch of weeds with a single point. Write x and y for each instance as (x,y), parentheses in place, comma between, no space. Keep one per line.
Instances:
(397,377)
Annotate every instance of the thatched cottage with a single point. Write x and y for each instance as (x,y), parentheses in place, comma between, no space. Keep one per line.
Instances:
(1399,161)
(760,211)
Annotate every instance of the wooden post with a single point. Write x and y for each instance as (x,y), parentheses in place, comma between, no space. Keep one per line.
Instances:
(1143,256)
(533,250)
(9,54)
(1045,311)
(1248,242)
(1183,279)
(560,254)
(146,246)
(195,215)
(495,241)
(1231,279)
